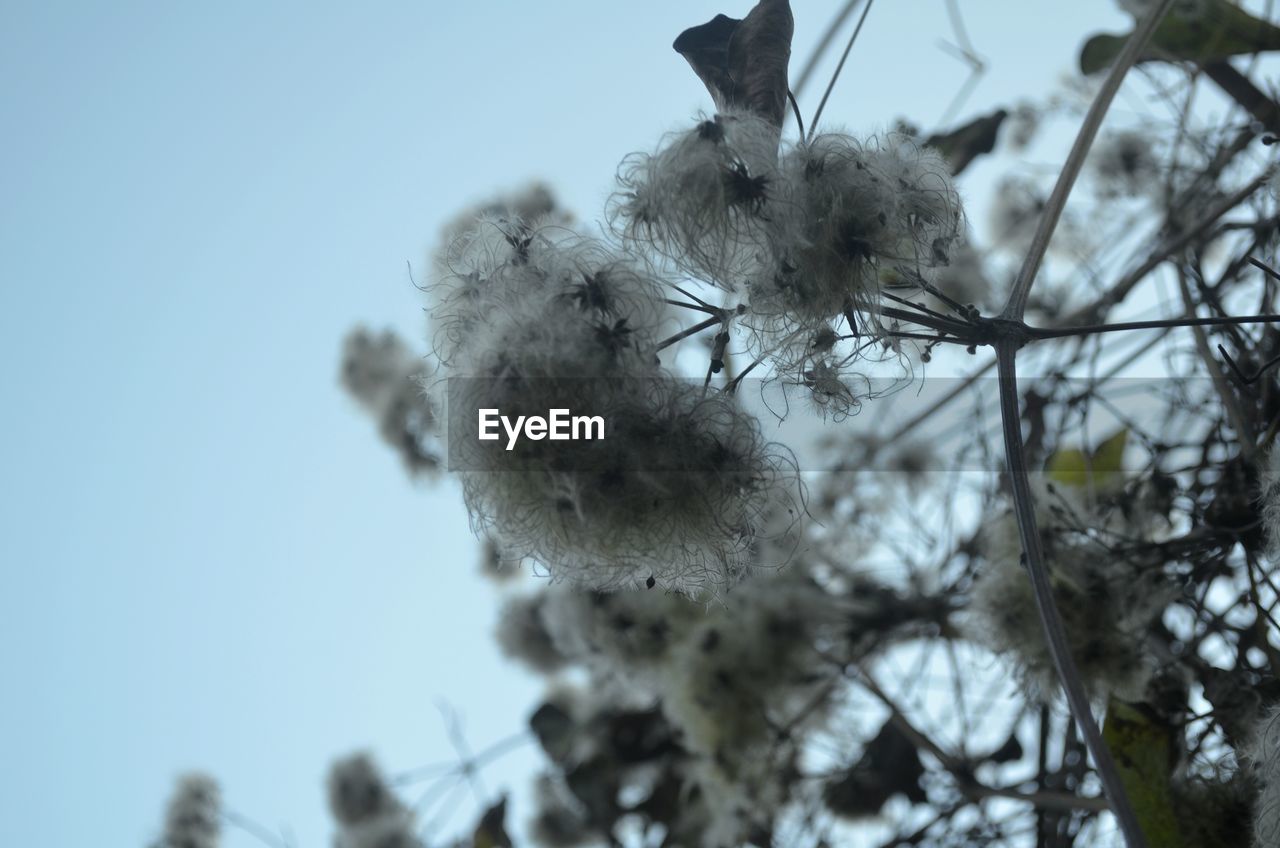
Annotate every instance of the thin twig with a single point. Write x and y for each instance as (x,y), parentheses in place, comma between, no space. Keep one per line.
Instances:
(1162,252)
(694,306)
(688,331)
(1043,799)
(255,829)
(1050,619)
(828,35)
(813,126)
(1037,333)
(1017,304)
(795,110)
(1250,379)
(1230,402)
(1265,268)
(963,50)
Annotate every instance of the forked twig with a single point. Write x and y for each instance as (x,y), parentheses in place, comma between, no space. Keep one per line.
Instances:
(1015,452)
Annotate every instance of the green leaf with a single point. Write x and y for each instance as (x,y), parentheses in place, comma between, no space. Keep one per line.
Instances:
(1221,31)
(1098,470)
(1144,751)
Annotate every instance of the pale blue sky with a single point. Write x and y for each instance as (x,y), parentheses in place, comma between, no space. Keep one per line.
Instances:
(209,558)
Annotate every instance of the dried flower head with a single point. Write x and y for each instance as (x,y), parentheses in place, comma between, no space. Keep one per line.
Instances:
(533,204)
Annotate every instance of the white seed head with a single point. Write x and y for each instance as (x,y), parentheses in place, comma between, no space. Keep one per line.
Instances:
(670,498)
(863,212)
(1106,605)
(538,297)
(368,813)
(669,495)
(1264,755)
(965,281)
(749,667)
(706,198)
(523,635)
(622,633)
(751,664)
(1270,502)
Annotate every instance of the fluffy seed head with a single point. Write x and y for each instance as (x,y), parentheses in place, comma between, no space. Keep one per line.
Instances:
(1270,502)
(705,199)
(1023,123)
(747,669)
(558,822)
(1123,164)
(748,665)
(1265,758)
(965,280)
(531,299)
(193,818)
(1106,605)
(368,813)
(669,498)
(522,633)
(669,494)
(1015,212)
(624,633)
(358,792)
(379,371)
(863,212)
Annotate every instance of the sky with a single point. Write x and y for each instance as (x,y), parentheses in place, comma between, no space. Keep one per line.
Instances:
(210,560)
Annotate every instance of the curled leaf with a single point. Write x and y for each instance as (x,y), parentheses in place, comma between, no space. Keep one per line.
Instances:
(966,143)
(743,63)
